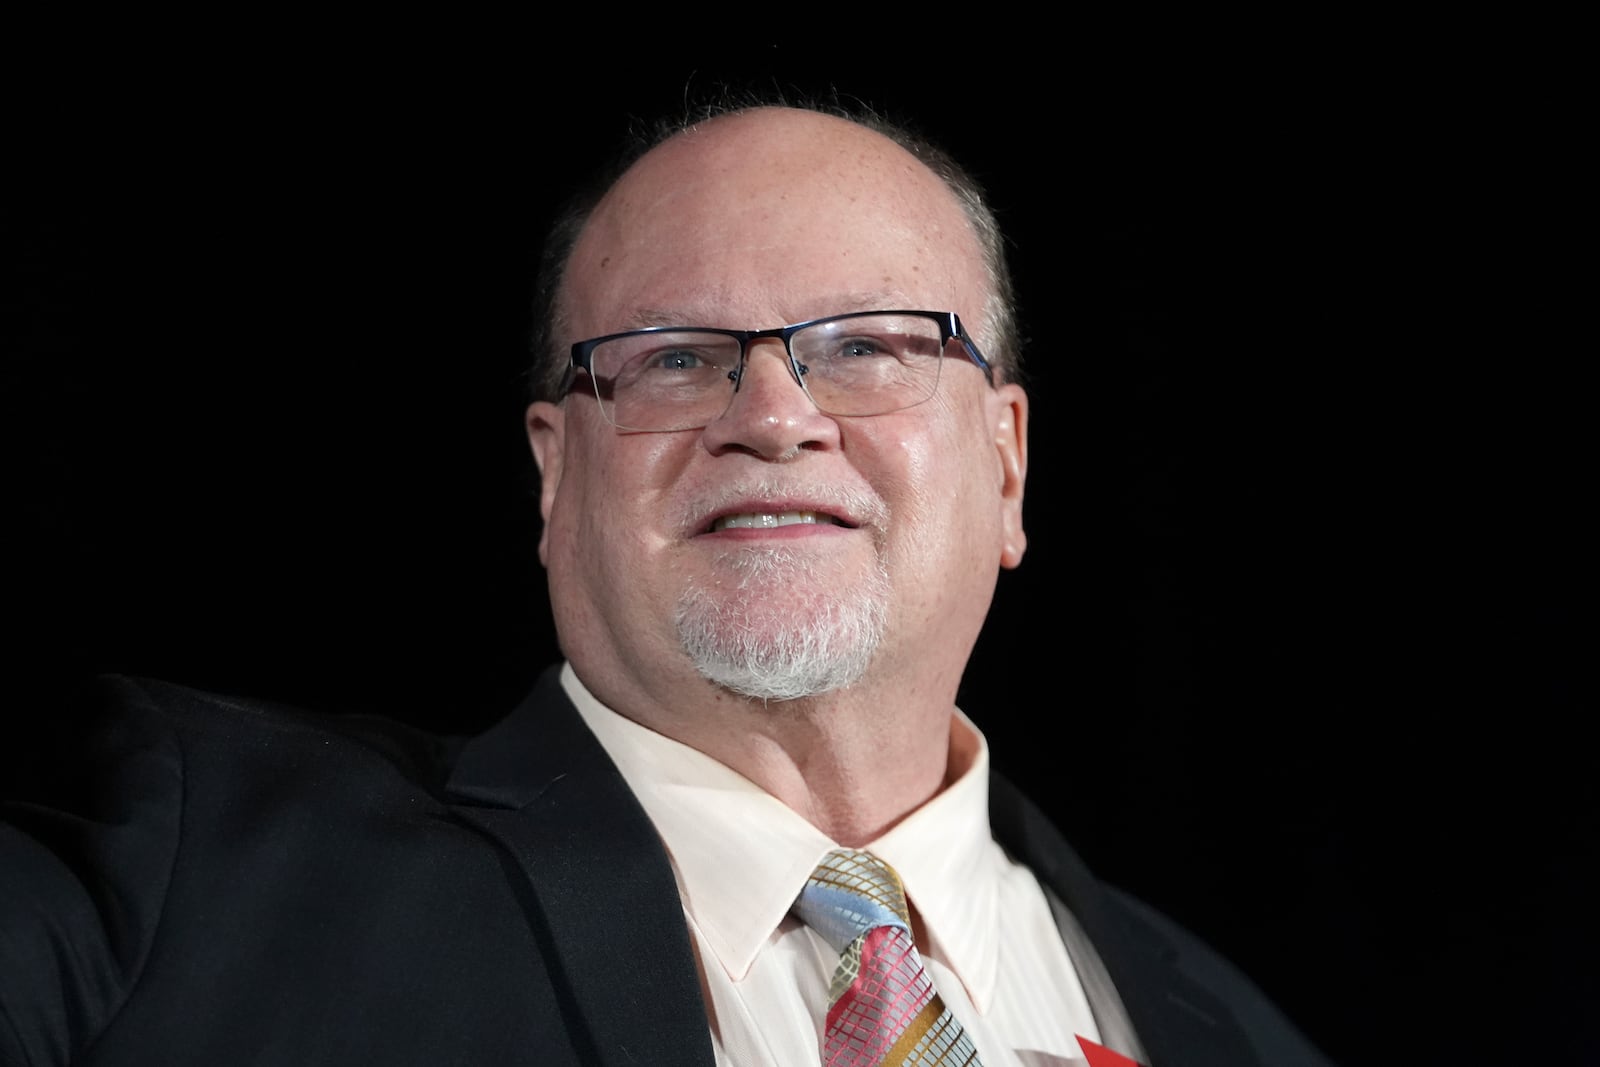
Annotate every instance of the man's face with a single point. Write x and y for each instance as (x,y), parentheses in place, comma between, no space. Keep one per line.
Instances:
(778,551)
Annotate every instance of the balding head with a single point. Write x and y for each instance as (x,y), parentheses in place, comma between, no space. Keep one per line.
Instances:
(863,154)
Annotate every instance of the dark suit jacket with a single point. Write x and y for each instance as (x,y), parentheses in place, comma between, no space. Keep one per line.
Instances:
(253,885)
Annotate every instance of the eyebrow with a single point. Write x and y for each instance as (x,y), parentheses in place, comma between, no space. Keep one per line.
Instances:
(843,304)
(647,317)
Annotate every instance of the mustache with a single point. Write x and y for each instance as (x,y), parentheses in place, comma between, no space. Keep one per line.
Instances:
(860,506)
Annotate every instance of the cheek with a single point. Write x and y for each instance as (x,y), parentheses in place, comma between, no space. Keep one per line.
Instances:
(609,508)
(932,496)
(617,478)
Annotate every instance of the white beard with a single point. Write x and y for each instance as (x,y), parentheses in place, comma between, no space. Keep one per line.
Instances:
(783,632)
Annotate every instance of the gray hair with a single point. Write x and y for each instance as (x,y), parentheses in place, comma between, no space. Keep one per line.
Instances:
(997,333)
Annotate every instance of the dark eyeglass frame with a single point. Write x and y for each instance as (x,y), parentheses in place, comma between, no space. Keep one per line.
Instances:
(950,329)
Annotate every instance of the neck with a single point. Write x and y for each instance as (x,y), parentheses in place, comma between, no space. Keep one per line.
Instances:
(852,770)
(852,762)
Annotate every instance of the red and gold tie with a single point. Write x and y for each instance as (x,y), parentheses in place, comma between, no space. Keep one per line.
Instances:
(882,1007)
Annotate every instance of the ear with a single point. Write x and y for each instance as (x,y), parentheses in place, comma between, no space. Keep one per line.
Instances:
(547,436)
(1011,444)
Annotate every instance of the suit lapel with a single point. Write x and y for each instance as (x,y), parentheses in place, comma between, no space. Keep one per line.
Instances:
(1177,1020)
(606,905)
(604,901)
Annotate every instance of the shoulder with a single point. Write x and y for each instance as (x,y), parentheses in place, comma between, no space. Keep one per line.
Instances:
(1273,1036)
(147,781)
(1179,991)
(205,732)
(137,769)
(201,845)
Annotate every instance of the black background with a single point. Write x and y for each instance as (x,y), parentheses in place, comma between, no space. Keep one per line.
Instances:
(1301,651)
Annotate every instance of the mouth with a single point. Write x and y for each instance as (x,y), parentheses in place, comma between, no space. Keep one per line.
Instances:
(769,520)
(755,507)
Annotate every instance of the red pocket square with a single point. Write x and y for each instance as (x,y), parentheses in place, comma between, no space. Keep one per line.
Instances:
(1100,1056)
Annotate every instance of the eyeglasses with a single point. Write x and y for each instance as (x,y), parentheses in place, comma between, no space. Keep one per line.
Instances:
(867,363)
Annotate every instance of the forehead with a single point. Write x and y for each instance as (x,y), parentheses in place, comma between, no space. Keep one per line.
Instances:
(772,216)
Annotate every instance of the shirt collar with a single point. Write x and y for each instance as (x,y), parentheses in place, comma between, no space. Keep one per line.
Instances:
(737,889)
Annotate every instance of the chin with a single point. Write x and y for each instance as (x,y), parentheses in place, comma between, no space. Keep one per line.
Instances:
(782,631)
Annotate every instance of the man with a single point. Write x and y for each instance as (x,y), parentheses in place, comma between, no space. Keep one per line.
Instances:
(782,455)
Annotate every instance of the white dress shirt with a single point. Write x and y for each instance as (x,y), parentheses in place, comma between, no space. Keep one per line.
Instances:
(990,942)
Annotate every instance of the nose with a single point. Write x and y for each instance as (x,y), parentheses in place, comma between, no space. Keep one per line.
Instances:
(770,415)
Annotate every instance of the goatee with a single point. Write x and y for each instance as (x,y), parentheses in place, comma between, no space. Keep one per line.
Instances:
(782,631)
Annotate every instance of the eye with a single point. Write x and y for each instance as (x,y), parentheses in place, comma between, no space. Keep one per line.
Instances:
(861,346)
(683,359)
(675,359)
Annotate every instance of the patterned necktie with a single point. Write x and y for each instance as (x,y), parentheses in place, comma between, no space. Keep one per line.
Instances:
(882,1008)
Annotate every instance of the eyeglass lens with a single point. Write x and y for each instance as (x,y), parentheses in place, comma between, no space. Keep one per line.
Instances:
(853,366)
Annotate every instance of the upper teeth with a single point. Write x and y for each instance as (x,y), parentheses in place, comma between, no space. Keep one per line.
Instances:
(766,519)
